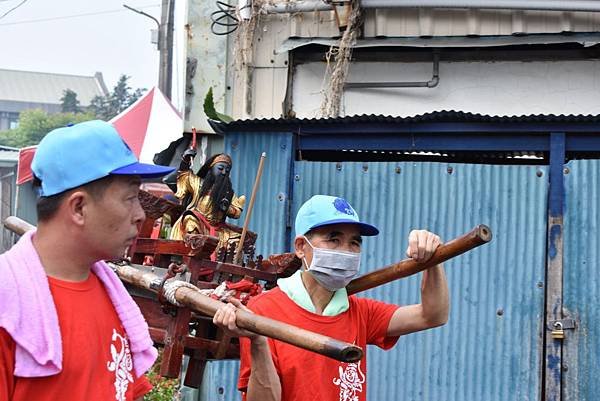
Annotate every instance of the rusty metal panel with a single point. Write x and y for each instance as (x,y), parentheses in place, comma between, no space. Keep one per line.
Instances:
(581,286)
(491,348)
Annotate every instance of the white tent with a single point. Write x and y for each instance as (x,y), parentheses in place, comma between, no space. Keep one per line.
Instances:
(149,125)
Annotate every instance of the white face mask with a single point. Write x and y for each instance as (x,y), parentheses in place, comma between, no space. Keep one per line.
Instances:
(333,269)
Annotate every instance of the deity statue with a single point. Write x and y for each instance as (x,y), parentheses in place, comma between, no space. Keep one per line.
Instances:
(208,199)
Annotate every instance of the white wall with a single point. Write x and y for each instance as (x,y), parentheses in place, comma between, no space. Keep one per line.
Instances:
(495,88)
(210,51)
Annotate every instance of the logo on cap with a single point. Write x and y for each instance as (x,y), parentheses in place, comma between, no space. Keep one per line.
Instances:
(342,206)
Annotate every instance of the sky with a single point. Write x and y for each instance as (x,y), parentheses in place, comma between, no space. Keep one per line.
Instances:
(81,38)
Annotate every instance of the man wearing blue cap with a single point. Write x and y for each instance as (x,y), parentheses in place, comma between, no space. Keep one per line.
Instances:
(68,328)
(328,241)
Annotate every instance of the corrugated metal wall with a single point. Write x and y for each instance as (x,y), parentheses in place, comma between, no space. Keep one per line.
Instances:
(7,190)
(414,23)
(474,22)
(269,217)
(490,349)
(219,382)
(269,220)
(26,204)
(581,280)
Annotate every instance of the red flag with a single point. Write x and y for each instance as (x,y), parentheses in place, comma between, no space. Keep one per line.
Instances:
(24,172)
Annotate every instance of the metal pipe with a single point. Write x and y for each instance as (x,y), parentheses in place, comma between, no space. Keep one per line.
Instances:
(541,5)
(296,7)
(432,83)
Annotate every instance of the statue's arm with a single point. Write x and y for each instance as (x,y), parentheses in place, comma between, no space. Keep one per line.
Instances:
(236,207)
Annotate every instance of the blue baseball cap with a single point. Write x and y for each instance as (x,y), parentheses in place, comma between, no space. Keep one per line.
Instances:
(324,210)
(72,156)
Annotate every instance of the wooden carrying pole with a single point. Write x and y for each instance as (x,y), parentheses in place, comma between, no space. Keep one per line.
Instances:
(190,297)
(240,247)
(17,225)
(476,237)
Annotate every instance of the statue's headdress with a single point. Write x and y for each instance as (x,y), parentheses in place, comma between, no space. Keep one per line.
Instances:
(222,158)
(214,159)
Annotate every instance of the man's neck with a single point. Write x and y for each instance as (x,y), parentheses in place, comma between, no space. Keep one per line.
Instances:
(319,295)
(61,257)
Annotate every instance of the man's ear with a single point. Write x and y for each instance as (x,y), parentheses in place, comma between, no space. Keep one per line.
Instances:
(299,244)
(75,205)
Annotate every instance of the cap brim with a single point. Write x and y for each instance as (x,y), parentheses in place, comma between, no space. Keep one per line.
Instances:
(143,170)
(366,230)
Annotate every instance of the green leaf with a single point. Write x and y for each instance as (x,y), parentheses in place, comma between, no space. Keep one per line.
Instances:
(211,112)
(209,105)
(224,117)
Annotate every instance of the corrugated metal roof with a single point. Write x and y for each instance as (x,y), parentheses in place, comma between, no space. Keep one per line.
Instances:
(42,87)
(8,156)
(277,124)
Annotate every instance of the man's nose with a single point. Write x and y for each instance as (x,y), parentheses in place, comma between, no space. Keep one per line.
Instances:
(349,247)
(138,213)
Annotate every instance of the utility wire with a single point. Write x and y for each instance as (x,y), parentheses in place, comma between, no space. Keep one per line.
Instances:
(72,16)
(13,9)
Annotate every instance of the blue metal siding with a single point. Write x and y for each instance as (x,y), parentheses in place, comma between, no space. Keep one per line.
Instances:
(219,382)
(581,281)
(479,354)
(26,207)
(269,217)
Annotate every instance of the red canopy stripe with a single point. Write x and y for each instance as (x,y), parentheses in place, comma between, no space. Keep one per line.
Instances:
(133,128)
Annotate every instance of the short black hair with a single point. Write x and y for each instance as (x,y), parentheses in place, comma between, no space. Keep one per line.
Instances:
(47,206)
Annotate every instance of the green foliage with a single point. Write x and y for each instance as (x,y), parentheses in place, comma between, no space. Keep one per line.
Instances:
(35,124)
(163,389)
(69,102)
(121,97)
(211,112)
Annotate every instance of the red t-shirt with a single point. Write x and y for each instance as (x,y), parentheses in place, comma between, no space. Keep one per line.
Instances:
(97,364)
(305,375)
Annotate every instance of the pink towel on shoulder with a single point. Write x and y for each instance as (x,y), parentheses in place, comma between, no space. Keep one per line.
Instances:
(28,314)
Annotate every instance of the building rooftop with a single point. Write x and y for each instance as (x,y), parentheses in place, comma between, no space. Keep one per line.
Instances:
(48,88)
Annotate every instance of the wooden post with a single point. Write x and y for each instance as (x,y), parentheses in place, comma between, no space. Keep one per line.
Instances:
(553,364)
(240,248)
